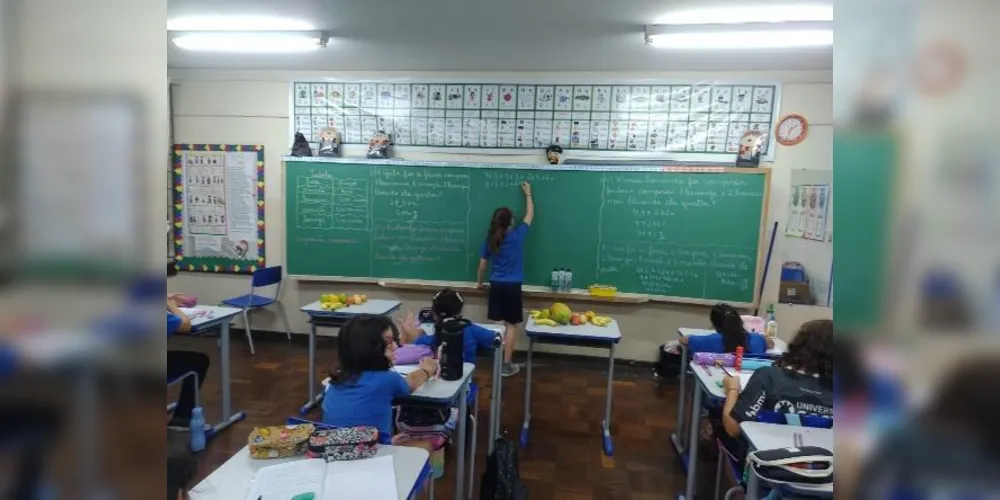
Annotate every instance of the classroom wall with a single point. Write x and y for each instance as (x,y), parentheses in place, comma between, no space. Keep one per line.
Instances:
(252,107)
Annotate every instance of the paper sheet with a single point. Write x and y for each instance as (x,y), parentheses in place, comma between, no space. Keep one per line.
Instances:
(744,376)
(287,480)
(405,370)
(371,479)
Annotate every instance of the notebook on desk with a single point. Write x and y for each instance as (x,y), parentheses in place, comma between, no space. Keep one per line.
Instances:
(743,375)
(370,479)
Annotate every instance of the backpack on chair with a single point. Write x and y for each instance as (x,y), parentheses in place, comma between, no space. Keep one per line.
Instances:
(501,480)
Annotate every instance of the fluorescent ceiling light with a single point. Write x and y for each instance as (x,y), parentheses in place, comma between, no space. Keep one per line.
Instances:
(260,42)
(750,14)
(237,23)
(742,36)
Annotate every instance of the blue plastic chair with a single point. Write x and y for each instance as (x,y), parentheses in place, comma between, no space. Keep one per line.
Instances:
(267,277)
(771,417)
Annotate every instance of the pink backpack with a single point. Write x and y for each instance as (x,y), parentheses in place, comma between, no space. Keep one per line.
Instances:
(753,323)
(411,354)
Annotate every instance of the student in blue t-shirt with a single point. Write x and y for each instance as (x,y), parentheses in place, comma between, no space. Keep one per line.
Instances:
(504,245)
(182,362)
(363,387)
(729,335)
(447,305)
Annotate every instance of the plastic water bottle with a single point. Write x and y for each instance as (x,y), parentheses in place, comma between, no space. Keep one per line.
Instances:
(197,429)
(569,280)
(554,281)
(563,279)
(771,329)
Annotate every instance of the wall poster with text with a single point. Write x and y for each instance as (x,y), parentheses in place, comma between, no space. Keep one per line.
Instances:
(218,210)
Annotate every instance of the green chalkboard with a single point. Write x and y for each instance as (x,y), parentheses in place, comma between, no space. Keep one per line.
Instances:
(675,235)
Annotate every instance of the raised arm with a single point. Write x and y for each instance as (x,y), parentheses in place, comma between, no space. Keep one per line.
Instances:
(529,203)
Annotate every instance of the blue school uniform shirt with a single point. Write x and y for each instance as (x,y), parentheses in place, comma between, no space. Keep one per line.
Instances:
(366,400)
(474,337)
(508,266)
(756,344)
(173,323)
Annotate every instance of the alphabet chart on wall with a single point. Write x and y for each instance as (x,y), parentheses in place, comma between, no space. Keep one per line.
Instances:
(664,119)
(219,207)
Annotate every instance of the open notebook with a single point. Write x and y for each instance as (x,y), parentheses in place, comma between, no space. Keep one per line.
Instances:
(370,479)
(743,375)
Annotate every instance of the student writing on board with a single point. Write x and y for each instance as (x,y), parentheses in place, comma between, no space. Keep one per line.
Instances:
(504,246)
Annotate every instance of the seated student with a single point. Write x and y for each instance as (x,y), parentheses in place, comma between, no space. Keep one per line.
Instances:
(730,334)
(181,467)
(447,305)
(800,382)
(363,387)
(181,362)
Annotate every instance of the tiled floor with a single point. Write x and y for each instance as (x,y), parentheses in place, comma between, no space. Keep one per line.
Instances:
(564,458)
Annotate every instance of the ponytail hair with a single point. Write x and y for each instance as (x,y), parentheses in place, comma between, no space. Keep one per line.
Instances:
(727,321)
(501,220)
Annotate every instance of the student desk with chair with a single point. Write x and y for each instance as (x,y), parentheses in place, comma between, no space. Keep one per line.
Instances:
(678,437)
(764,436)
(449,392)
(586,335)
(319,317)
(708,380)
(204,319)
(231,481)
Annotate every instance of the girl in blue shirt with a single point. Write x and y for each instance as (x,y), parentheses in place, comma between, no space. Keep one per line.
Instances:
(504,245)
(447,305)
(363,387)
(730,334)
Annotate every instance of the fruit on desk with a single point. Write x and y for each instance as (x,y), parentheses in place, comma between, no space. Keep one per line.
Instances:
(601,320)
(589,315)
(545,322)
(331,306)
(560,313)
(535,313)
(577,319)
(329,297)
(543,314)
(342,297)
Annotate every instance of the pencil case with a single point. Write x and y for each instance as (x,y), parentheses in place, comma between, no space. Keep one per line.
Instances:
(279,442)
(346,443)
(727,359)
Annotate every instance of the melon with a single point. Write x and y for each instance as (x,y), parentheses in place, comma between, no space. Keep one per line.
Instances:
(560,313)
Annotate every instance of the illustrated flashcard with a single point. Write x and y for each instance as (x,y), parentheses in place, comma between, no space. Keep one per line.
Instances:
(352,95)
(701,99)
(473,96)
(491,94)
(419,97)
(564,98)
(640,99)
(742,99)
(621,98)
(762,100)
(368,97)
(454,97)
(318,94)
(582,98)
(660,100)
(437,95)
(680,99)
(526,96)
(401,96)
(508,97)
(602,98)
(385,99)
(721,97)
(302,96)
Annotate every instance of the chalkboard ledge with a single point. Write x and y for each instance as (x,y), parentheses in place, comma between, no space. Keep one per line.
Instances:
(577,295)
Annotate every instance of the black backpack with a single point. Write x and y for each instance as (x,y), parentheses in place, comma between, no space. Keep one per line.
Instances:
(300,146)
(501,480)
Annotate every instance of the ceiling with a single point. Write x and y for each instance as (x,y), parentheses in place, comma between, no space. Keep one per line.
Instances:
(478,35)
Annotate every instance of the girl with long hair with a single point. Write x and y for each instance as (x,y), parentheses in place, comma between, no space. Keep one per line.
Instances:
(729,334)
(504,247)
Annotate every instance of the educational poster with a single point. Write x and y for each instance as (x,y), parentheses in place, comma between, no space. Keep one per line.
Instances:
(807,210)
(219,207)
(701,121)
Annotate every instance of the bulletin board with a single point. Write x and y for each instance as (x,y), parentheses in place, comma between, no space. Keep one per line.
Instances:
(661,119)
(218,208)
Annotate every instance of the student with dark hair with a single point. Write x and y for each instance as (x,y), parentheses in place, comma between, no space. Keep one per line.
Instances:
(181,467)
(800,382)
(447,306)
(504,246)
(362,388)
(729,335)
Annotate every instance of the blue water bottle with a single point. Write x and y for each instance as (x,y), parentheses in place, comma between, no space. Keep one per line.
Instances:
(197,429)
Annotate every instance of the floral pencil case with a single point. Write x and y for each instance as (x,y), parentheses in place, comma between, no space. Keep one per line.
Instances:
(347,443)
